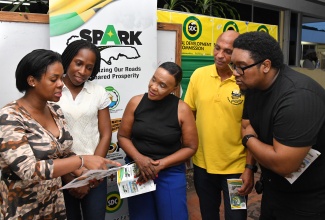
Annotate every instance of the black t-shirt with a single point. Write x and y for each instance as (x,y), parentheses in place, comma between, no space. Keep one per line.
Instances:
(156,132)
(292,111)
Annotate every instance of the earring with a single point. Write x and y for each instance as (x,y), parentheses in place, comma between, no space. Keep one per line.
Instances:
(173,93)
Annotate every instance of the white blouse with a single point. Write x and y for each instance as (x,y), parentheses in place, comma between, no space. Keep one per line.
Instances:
(82,115)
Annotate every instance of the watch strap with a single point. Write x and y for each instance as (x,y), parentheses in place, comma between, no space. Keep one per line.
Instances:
(245,139)
(251,167)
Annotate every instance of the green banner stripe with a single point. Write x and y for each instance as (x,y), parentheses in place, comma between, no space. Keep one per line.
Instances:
(65,26)
(62,17)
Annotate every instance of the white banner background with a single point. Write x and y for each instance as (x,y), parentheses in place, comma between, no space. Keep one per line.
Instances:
(138,54)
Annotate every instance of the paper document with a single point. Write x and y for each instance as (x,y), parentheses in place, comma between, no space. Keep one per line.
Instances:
(236,201)
(310,157)
(90,175)
(127,182)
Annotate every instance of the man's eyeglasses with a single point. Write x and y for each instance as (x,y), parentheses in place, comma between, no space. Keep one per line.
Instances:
(240,70)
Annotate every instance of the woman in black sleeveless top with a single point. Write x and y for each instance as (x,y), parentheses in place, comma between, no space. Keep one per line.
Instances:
(158,133)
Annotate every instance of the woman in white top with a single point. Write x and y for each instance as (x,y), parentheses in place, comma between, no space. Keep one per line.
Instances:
(85,107)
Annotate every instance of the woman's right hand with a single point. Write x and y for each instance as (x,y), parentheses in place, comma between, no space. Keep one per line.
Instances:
(94,162)
(146,167)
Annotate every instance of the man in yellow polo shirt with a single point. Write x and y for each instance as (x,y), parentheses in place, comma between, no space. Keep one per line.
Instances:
(217,104)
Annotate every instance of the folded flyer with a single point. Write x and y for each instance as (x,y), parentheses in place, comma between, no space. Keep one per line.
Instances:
(310,157)
(127,182)
(236,201)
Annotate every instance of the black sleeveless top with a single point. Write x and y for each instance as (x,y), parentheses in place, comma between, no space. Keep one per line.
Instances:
(156,132)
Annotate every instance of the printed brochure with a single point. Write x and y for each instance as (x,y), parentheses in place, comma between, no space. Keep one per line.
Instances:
(127,182)
(236,201)
(310,157)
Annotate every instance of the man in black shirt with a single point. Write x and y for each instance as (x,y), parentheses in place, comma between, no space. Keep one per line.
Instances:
(283,123)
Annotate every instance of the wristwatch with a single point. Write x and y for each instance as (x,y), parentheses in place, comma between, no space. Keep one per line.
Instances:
(245,139)
(251,167)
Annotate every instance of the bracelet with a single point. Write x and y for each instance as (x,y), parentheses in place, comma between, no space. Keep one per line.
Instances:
(82,161)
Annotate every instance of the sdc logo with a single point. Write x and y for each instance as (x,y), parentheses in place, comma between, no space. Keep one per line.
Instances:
(230,25)
(263,28)
(113,202)
(192,28)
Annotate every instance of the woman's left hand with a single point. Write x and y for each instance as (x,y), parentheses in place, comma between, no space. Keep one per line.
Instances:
(147,168)
(158,166)
(79,192)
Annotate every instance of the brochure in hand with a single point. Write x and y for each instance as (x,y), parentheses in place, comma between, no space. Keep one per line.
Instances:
(127,182)
(90,175)
(236,201)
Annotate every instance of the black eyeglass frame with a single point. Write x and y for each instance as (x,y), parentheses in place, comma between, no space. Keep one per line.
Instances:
(234,67)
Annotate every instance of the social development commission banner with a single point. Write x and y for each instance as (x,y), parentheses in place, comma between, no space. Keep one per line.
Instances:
(201,32)
(125,31)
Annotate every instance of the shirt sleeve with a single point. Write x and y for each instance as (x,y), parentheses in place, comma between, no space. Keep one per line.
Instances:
(298,118)
(104,99)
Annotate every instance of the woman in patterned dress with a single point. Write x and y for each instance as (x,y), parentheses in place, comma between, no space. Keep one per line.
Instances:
(35,143)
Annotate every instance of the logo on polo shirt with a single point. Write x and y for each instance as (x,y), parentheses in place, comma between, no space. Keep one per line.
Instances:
(236,97)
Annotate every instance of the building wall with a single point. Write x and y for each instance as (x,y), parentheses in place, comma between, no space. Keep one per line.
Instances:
(306,7)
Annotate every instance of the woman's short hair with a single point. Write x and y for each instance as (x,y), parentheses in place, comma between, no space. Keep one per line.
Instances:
(73,48)
(174,70)
(34,64)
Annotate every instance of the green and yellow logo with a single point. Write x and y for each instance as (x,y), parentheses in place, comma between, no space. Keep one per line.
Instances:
(231,25)
(112,147)
(113,202)
(263,28)
(114,96)
(192,28)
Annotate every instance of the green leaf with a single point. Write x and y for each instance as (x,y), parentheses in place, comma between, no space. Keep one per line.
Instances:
(16,6)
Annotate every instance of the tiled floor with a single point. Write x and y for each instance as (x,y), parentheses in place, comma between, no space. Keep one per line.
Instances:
(194,209)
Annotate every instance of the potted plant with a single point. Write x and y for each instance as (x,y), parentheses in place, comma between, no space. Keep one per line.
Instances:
(35,6)
(216,8)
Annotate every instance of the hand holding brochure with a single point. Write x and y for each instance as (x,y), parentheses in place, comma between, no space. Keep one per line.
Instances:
(127,182)
(90,175)
(236,201)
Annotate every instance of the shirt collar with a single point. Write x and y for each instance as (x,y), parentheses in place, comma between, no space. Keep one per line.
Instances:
(215,74)
(86,87)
